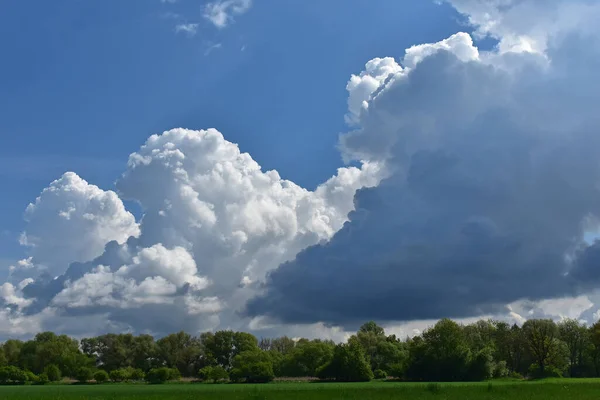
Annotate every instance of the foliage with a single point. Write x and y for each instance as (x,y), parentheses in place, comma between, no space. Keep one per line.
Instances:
(84,374)
(101,376)
(446,352)
(162,375)
(12,375)
(214,374)
(349,364)
(119,375)
(53,373)
(42,379)
(252,366)
(380,374)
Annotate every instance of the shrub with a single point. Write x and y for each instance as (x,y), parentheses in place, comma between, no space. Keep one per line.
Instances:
(31,377)
(84,374)
(535,372)
(158,375)
(213,374)
(137,375)
(380,374)
(253,366)
(53,373)
(101,376)
(515,375)
(174,374)
(348,365)
(42,379)
(119,375)
(12,376)
(500,369)
(397,370)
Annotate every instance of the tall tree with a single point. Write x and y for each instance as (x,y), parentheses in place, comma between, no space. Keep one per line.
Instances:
(575,335)
(540,335)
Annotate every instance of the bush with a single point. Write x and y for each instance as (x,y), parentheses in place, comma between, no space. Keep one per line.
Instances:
(42,379)
(137,375)
(119,375)
(253,366)
(101,376)
(213,374)
(380,374)
(53,373)
(500,369)
(349,364)
(84,375)
(12,376)
(159,375)
(515,375)
(174,374)
(535,372)
(31,377)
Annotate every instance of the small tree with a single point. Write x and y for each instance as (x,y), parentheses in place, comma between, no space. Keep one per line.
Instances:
(349,364)
(101,376)
(254,366)
(31,377)
(158,375)
(213,374)
(53,372)
(119,375)
(137,375)
(42,379)
(84,374)
(12,375)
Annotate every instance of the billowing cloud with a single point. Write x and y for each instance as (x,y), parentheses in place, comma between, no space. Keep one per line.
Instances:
(73,220)
(214,224)
(494,185)
(221,12)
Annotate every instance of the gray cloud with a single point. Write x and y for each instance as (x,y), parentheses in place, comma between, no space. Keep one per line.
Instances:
(495,183)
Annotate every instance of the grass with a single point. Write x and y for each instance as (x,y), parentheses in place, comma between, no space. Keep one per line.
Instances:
(543,390)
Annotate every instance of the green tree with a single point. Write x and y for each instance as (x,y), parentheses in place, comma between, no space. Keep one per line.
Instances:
(12,351)
(84,374)
(441,354)
(159,375)
(180,350)
(214,374)
(575,336)
(119,375)
(307,357)
(53,373)
(348,364)
(3,360)
(540,335)
(12,375)
(252,366)
(222,347)
(101,376)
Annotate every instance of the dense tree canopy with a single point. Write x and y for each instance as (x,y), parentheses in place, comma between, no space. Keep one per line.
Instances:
(447,351)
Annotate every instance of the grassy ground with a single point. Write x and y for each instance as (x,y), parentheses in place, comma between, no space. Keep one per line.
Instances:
(542,390)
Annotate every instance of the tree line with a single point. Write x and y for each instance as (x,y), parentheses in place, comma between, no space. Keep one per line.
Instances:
(448,351)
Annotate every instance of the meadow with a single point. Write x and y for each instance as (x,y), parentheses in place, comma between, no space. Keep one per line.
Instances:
(544,390)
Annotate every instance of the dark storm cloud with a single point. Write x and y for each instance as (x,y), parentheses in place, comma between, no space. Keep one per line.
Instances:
(496,177)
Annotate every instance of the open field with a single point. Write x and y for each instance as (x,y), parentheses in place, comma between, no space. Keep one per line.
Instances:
(542,390)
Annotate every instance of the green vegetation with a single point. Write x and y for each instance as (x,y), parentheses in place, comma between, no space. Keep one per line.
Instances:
(580,389)
(447,352)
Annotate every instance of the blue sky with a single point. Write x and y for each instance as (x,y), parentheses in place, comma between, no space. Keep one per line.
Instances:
(85,83)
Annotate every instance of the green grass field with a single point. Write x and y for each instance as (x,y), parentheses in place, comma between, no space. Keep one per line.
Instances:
(542,390)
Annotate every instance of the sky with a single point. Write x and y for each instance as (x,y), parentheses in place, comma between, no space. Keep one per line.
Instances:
(296,167)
